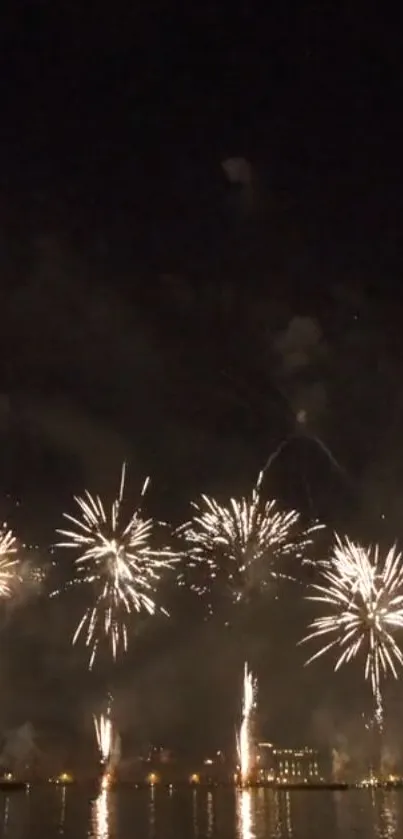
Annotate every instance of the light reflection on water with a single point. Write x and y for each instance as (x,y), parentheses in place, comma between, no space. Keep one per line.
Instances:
(101,815)
(244,807)
(160,813)
(62,810)
(152,814)
(388,823)
(264,813)
(195,814)
(209,814)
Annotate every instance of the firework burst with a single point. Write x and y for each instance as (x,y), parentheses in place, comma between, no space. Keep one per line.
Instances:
(8,561)
(240,544)
(364,593)
(119,565)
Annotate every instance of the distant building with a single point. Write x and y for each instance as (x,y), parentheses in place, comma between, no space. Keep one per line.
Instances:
(288,765)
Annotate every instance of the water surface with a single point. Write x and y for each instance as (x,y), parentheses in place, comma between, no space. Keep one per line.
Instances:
(159,813)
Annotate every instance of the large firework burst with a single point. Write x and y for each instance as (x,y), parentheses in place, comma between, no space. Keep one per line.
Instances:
(364,593)
(119,565)
(240,544)
(8,561)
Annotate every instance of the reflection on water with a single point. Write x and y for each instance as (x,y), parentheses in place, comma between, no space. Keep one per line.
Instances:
(264,813)
(342,813)
(269,814)
(101,817)
(210,814)
(62,809)
(6,813)
(244,808)
(387,826)
(288,820)
(14,821)
(162,813)
(195,814)
(152,814)
(276,814)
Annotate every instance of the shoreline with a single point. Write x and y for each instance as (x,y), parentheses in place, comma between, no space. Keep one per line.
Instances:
(21,786)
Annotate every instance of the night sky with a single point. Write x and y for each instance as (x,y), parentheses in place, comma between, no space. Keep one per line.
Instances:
(155,311)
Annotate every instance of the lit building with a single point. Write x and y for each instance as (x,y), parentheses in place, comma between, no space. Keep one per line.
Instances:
(288,765)
(265,761)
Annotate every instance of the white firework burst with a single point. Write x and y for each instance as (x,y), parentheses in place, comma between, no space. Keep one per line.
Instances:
(8,561)
(240,545)
(364,595)
(118,563)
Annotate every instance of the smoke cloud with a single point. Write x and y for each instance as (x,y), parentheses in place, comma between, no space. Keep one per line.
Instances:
(18,748)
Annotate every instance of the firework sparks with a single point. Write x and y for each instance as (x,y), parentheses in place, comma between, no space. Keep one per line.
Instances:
(8,561)
(119,564)
(365,596)
(108,741)
(241,543)
(104,735)
(244,738)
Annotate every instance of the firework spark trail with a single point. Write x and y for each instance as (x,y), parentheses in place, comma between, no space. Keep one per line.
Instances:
(313,438)
(8,561)
(108,741)
(274,455)
(118,563)
(244,739)
(241,543)
(104,735)
(365,596)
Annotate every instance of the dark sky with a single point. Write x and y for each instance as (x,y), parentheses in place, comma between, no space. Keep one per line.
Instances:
(154,311)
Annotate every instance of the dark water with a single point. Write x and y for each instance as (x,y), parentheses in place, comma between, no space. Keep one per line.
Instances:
(194,814)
